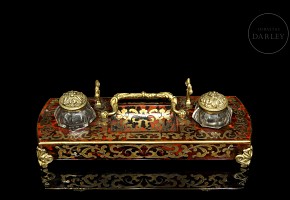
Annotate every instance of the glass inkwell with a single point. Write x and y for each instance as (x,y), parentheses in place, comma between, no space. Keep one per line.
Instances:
(212,110)
(74,111)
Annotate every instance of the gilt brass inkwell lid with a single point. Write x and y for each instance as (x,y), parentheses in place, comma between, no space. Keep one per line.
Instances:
(213,101)
(73,100)
(212,110)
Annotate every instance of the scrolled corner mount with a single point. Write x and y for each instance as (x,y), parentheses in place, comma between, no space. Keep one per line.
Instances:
(245,158)
(43,157)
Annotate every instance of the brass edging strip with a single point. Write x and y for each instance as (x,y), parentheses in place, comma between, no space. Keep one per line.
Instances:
(149,142)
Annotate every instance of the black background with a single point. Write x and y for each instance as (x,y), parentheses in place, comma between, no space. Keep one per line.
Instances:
(153,49)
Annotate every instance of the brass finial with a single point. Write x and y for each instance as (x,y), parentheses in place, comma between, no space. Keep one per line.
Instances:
(97,95)
(72,100)
(189,91)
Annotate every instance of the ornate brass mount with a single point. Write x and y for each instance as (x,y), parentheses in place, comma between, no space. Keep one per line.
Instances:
(189,91)
(43,157)
(245,158)
(98,103)
(143,95)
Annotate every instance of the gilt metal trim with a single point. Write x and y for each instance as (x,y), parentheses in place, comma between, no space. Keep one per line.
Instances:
(97,95)
(189,91)
(150,142)
(242,176)
(134,151)
(245,158)
(43,157)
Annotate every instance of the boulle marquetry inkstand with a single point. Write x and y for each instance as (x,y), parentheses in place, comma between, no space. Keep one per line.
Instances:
(142,127)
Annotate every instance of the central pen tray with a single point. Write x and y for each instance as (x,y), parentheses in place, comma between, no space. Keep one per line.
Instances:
(138,117)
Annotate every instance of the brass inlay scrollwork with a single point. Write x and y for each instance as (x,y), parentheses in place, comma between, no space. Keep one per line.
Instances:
(245,158)
(148,151)
(127,181)
(96,133)
(48,177)
(139,119)
(241,176)
(43,157)
(212,181)
(162,95)
(217,151)
(127,114)
(201,180)
(83,151)
(145,151)
(142,136)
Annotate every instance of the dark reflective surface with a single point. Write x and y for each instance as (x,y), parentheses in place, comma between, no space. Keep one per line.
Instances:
(141,174)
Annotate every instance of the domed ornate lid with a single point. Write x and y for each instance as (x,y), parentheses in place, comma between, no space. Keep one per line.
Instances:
(72,100)
(213,101)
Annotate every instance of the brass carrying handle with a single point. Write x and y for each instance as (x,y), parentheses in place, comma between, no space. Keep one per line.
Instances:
(162,95)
